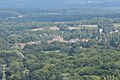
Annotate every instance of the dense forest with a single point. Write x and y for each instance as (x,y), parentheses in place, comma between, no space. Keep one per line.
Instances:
(73,44)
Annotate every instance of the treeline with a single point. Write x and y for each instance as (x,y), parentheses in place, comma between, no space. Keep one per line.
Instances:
(88,64)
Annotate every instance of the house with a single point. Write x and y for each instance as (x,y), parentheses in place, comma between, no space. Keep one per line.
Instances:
(56,38)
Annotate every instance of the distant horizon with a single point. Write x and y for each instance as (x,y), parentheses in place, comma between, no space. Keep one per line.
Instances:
(54,4)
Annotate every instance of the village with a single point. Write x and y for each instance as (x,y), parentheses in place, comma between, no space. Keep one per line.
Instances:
(62,40)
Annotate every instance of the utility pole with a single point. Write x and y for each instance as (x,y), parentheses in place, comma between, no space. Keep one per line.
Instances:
(3,71)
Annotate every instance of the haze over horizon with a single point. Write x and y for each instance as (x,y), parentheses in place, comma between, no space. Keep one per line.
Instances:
(57,3)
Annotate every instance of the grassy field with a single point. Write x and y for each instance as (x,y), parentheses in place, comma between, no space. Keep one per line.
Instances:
(52,51)
(88,26)
(84,26)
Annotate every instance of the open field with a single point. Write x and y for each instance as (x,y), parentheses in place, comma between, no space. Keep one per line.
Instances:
(37,29)
(116,24)
(83,26)
(52,51)
(54,28)
(88,26)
